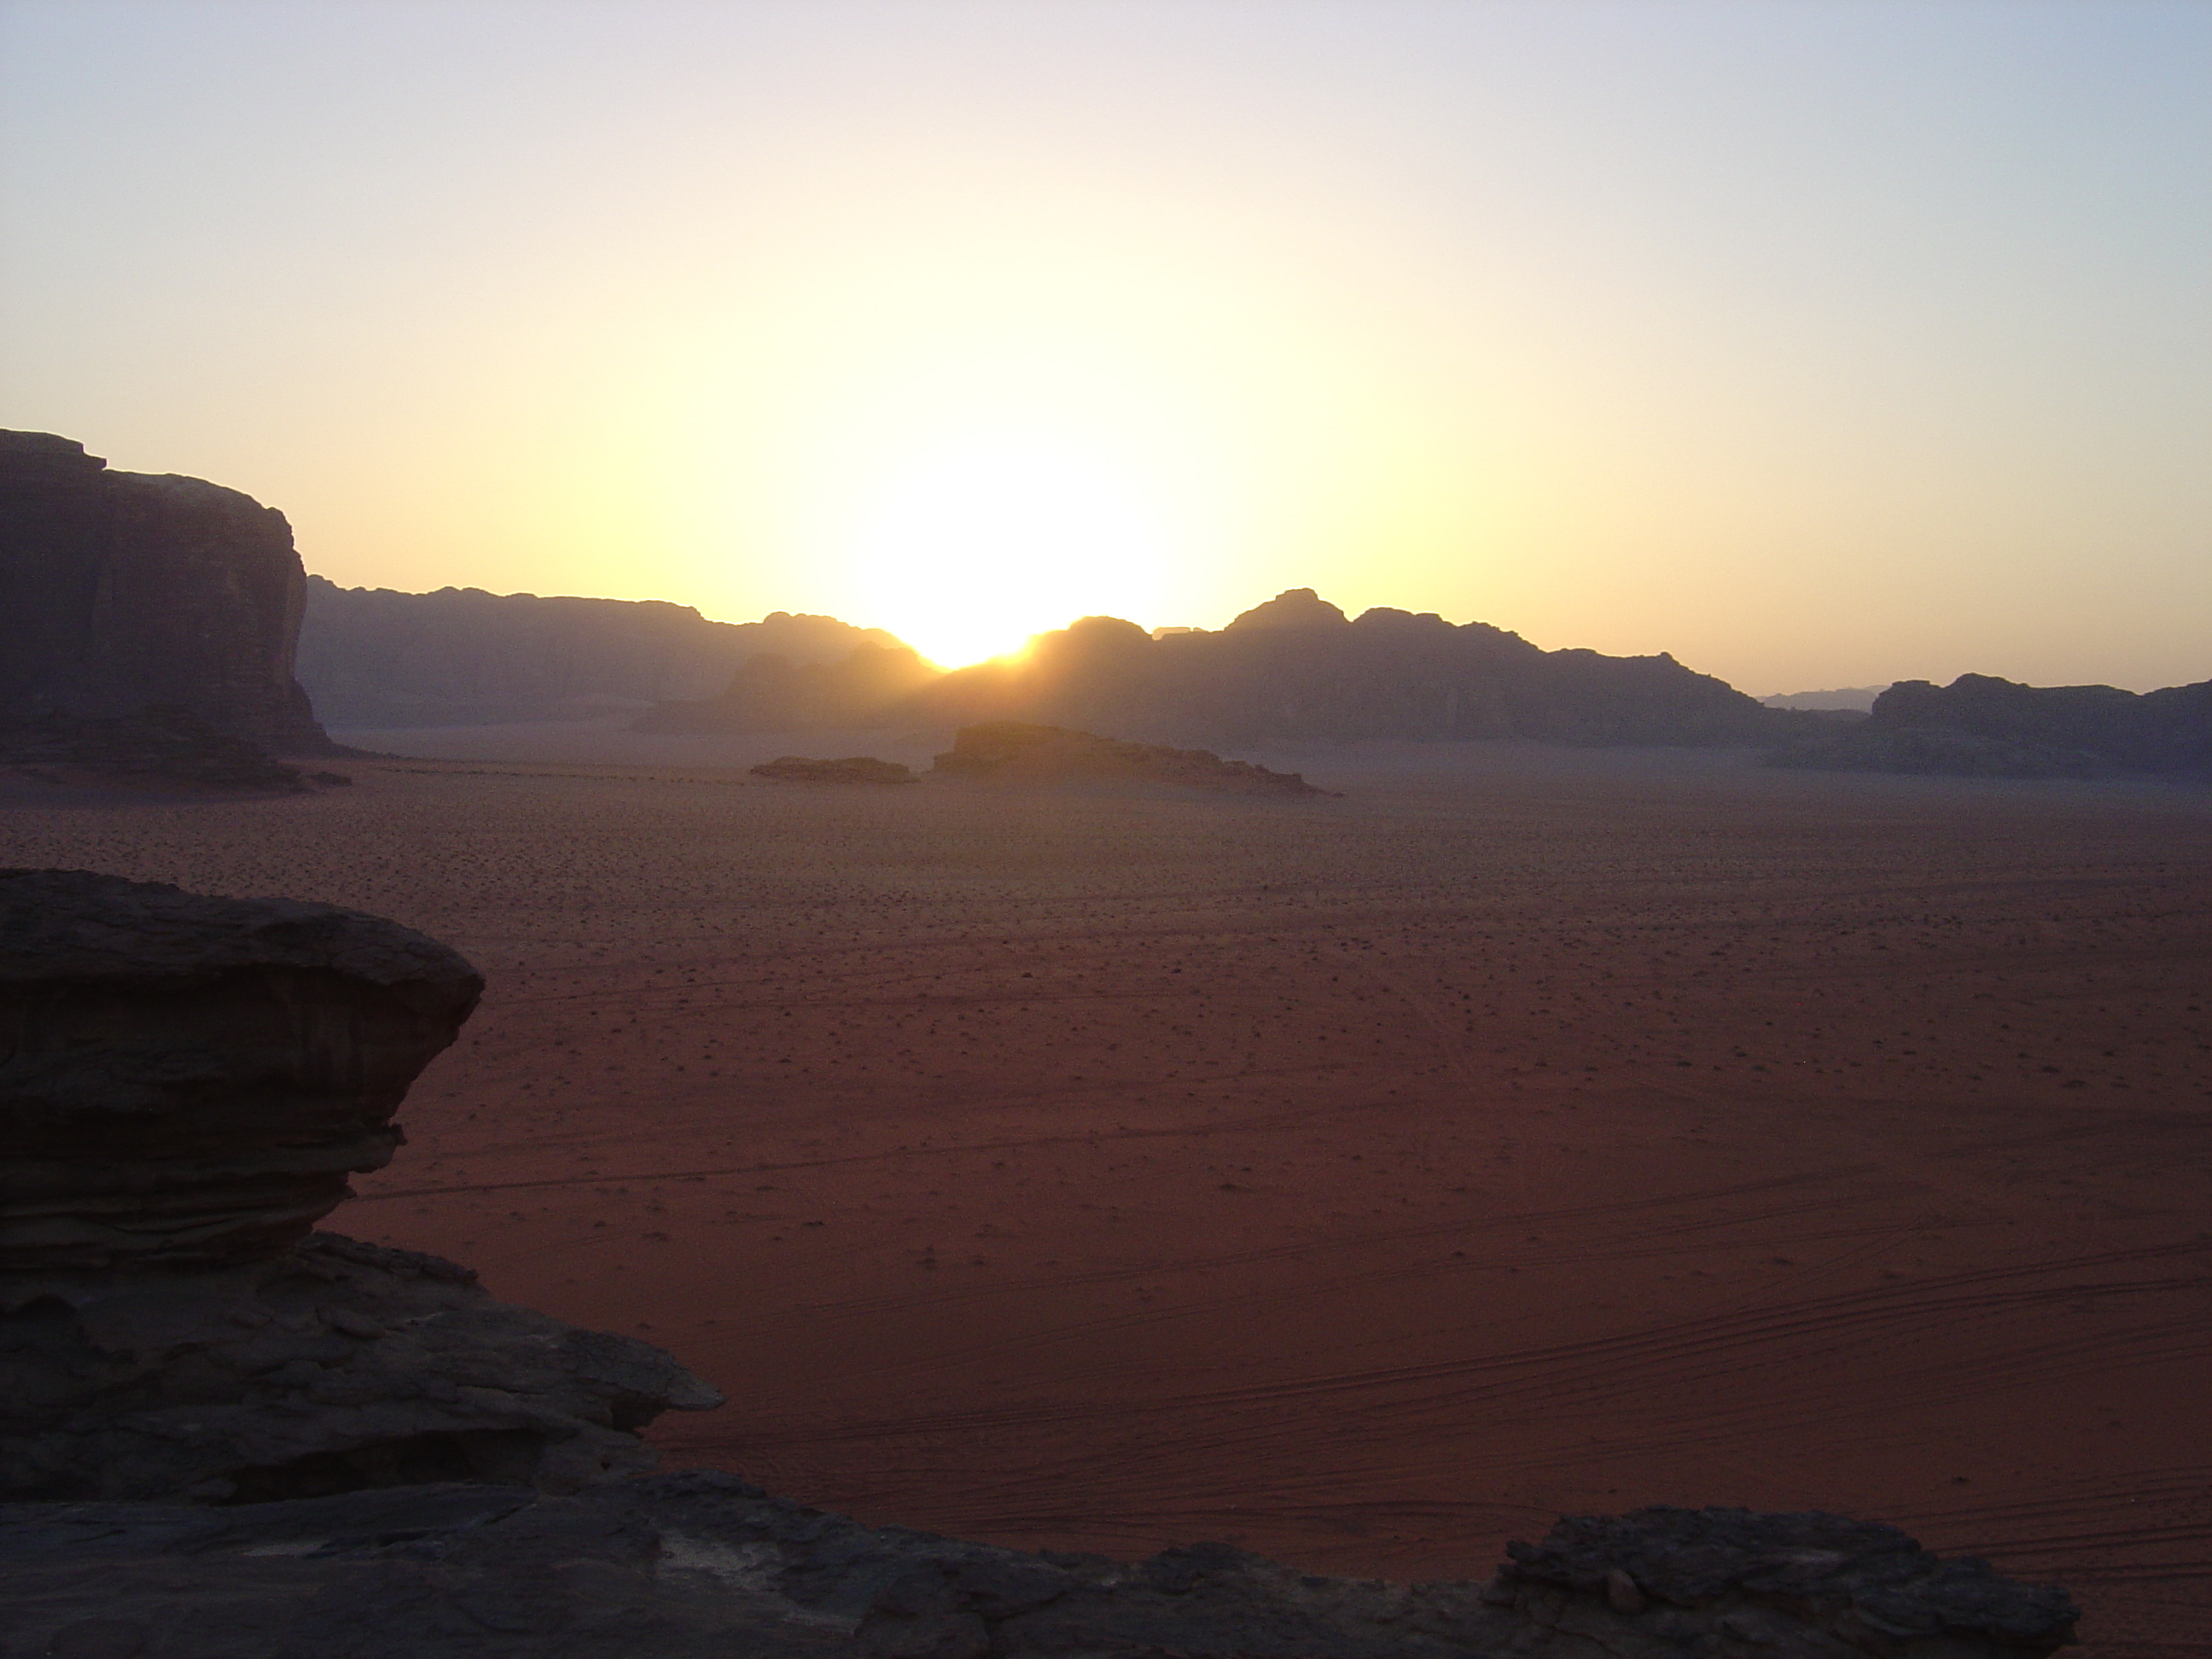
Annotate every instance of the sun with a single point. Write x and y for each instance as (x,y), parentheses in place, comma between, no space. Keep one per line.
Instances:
(975,541)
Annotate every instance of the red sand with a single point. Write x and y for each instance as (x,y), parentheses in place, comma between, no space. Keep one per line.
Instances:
(1364,1181)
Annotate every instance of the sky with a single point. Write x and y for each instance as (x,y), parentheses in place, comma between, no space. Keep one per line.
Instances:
(1818,343)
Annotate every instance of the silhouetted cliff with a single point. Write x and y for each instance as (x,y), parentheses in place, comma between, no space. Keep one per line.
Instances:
(460,656)
(1297,668)
(121,592)
(1979,725)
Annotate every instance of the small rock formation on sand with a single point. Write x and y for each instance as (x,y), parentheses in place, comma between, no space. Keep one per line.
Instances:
(1010,752)
(226,1441)
(184,1085)
(854,768)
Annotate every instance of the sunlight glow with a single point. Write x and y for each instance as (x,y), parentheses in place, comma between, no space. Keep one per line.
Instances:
(984,537)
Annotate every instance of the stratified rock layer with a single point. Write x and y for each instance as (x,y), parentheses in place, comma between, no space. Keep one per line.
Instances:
(672,1566)
(186,1081)
(121,592)
(1011,751)
(333,1366)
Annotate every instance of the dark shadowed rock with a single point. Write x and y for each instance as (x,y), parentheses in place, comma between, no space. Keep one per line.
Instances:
(698,1564)
(329,1367)
(121,591)
(1766,1579)
(187,1081)
(1009,751)
(854,768)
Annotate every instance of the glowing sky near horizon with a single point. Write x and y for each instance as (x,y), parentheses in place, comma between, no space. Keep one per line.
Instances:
(1818,343)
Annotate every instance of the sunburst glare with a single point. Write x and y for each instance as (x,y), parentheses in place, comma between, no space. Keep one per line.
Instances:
(981,539)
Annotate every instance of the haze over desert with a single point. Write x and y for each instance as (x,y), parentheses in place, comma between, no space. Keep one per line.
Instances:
(1361,1181)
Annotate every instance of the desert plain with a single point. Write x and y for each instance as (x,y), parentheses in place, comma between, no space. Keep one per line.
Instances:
(1362,1181)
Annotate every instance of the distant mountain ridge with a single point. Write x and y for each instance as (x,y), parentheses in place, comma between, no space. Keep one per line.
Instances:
(1294,668)
(372,656)
(1844,698)
(1979,725)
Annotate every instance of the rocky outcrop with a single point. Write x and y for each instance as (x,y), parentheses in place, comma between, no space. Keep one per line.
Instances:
(121,592)
(328,1367)
(1011,752)
(854,768)
(186,1082)
(1981,725)
(1727,1581)
(699,1563)
(778,693)
(371,657)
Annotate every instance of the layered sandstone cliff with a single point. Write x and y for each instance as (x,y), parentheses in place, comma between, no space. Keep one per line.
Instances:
(186,1083)
(121,593)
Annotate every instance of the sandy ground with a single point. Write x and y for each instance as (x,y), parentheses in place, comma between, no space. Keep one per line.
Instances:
(1362,1181)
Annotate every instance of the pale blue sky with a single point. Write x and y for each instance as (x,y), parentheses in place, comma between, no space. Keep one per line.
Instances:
(1819,343)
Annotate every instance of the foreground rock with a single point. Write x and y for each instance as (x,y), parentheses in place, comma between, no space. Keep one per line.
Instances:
(186,1082)
(121,592)
(855,769)
(1010,752)
(703,1563)
(333,1366)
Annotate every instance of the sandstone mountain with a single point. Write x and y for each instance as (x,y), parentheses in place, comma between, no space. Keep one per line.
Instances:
(372,656)
(1981,725)
(122,592)
(1295,668)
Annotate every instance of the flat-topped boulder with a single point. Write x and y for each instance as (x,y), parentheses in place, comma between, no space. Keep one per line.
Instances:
(854,768)
(187,1081)
(1016,752)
